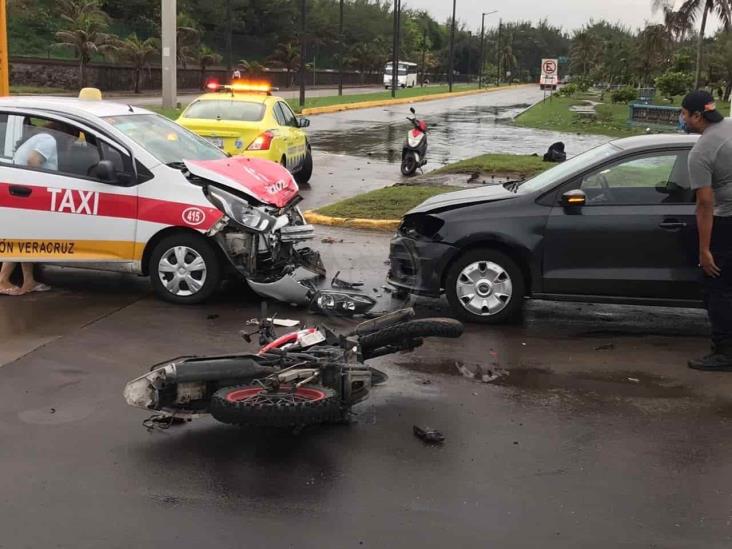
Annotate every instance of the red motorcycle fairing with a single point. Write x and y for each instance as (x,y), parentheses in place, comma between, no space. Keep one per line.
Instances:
(266,181)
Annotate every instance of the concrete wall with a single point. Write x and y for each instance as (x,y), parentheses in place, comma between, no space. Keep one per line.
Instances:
(57,73)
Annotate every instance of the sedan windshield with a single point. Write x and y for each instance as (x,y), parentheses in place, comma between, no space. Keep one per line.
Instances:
(565,169)
(164,139)
(222,109)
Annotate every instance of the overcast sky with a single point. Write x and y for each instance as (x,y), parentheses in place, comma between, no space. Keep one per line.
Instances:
(568,14)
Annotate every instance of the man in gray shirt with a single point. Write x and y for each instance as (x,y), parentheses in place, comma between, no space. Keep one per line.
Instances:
(710,172)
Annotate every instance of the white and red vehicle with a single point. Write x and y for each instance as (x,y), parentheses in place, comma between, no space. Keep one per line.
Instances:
(414,151)
(125,189)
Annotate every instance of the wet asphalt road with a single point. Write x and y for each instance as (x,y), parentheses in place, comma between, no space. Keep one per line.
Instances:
(362,149)
(599,435)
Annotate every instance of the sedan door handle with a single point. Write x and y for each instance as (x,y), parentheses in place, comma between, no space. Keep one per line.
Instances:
(672,224)
(19,190)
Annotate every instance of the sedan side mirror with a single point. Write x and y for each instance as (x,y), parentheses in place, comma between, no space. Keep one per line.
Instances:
(574,197)
(304,122)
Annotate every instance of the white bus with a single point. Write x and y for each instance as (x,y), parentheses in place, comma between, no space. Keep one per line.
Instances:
(407,77)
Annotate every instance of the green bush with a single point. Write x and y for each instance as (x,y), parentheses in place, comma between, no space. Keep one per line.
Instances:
(624,95)
(568,90)
(583,83)
(673,83)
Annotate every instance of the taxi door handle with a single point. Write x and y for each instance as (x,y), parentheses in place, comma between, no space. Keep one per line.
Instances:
(18,190)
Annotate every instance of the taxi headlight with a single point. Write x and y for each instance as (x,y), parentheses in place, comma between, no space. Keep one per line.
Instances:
(240,211)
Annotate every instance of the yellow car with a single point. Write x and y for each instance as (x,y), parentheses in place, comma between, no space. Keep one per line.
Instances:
(246,119)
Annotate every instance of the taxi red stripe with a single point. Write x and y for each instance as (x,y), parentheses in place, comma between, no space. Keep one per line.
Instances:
(114,205)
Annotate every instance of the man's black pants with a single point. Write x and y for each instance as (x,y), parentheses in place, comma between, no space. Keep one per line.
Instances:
(718,290)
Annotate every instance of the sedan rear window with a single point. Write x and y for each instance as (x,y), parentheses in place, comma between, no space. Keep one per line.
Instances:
(221,109)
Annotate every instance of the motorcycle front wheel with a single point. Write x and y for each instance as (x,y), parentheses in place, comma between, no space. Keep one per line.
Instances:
(409,164)
(257,406)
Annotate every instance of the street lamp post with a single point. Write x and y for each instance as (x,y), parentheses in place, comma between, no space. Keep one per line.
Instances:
(341,48)
(498,54)
(395,52)
(452,47)
(482,46)
(302,52)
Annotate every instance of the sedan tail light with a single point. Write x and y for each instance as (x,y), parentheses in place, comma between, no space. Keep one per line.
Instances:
(262,142)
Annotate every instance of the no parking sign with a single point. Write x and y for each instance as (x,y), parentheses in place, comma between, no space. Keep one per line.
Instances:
(549,69)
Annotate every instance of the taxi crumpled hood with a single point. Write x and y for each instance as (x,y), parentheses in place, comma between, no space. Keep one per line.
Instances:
(266,181)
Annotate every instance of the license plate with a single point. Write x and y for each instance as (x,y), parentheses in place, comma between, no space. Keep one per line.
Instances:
(218,141)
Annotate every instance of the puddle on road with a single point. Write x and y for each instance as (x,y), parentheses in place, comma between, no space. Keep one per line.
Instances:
(454,135)
(627,384)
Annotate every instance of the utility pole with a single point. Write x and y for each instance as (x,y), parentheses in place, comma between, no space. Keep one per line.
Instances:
(168,28)
(4,53)
(470,40)
(424,52)
(452,47)
(303,9)
(395,52)
(498,54)
(482,47)
(229,31)
(342,47)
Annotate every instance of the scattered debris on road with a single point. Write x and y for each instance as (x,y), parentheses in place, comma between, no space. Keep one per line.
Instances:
(634,380)
(477,372)
(344,284)
(212,317)
(605,347)
(430,436)
(331,240)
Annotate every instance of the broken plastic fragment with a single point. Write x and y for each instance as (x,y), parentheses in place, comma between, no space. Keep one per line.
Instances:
(430,436)
(284,322)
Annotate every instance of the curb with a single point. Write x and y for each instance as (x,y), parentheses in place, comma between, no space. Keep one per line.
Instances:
(398,101)
(352,223)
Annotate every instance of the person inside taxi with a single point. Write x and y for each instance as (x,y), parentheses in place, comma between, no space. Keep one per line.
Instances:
(39,151)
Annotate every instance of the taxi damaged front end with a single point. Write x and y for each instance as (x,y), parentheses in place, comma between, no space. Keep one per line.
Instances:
(262,232)
(265,245)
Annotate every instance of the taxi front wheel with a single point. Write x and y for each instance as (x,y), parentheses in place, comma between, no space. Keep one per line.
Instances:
(184,269)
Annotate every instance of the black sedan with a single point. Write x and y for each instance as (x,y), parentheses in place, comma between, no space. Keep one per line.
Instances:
(615,224)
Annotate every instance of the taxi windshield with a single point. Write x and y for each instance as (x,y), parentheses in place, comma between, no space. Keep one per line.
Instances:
(226,109)
(164,139)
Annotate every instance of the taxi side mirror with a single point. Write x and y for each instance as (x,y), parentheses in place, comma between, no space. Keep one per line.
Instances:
(573,198)
(303,122)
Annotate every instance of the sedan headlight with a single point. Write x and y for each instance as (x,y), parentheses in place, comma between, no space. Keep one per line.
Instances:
(240,211)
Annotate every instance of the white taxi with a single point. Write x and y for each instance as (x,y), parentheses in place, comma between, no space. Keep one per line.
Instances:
(109,186)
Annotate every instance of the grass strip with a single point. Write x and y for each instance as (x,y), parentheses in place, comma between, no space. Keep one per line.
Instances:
(386,203)
(524,165)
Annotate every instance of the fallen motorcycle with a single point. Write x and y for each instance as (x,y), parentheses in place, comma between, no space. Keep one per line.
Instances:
(305,377)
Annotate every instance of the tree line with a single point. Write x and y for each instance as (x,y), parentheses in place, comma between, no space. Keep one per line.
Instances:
(250,34)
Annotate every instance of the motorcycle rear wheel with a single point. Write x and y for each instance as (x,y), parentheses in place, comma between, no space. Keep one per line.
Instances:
(255,406)
(409,164)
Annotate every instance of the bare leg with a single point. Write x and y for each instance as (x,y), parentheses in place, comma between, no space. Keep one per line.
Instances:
(5,273)
(29,282)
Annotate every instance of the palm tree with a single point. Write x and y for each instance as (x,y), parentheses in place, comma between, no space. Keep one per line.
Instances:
(287,55)
(583,52)
(652,46)
(690,10)
(251,68)
(85,23)
(507,61)
(676,23)
(187,39)
(138,53)
(206,58)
